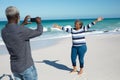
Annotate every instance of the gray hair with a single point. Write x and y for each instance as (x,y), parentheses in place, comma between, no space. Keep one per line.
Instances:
(80,22)
(11,11)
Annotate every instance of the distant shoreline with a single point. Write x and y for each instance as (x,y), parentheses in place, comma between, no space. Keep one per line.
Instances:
(68,18)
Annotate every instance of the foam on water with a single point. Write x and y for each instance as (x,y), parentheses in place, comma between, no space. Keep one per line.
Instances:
(2,43)
(54,33)
(107,26)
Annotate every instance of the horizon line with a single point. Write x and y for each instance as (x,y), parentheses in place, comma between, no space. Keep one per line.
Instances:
(4,19)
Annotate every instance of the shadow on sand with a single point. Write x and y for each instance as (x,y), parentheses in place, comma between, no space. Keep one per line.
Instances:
(6,75)
(55,64)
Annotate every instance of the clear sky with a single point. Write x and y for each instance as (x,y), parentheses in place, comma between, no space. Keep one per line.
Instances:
(60,9)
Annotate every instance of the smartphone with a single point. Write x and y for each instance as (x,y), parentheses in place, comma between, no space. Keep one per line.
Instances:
(33,19)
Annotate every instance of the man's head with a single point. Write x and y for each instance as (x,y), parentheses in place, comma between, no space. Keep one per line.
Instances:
(78,24)
(12,14)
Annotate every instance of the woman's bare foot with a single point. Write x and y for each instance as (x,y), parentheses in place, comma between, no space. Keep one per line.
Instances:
(81,71)
(74,69)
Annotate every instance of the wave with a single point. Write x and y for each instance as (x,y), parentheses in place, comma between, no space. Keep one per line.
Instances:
(49,29)
(2,43)
(45,29)
(116,30)
(54,33)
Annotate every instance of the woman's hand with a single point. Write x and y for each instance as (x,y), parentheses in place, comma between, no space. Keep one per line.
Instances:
(57,26)
(99,19)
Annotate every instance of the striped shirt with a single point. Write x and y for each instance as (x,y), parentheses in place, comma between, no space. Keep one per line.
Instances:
(78,36)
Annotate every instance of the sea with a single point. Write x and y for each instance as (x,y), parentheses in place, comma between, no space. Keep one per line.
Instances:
(107,26)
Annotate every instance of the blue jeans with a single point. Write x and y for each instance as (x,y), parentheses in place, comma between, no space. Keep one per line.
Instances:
(28,74)
(80,51)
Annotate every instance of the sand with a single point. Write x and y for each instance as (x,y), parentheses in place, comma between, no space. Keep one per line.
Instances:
(53,62)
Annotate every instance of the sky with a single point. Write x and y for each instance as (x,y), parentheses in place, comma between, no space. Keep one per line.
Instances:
(63,9)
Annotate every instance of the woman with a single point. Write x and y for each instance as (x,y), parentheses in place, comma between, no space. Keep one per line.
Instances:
(79,44)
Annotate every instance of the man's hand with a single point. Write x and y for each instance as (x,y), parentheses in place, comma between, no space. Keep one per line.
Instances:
(25,22)
(38,20)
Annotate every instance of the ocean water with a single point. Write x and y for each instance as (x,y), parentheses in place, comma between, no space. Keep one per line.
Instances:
(109,25)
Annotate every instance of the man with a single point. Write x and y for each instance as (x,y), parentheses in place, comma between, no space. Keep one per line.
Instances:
(16,38)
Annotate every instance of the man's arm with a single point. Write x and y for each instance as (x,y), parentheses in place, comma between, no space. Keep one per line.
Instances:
(29,33)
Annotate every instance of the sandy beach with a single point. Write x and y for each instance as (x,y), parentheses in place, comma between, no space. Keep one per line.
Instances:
(53,61)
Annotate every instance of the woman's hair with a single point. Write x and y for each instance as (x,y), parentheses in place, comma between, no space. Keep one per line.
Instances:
(80,22)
